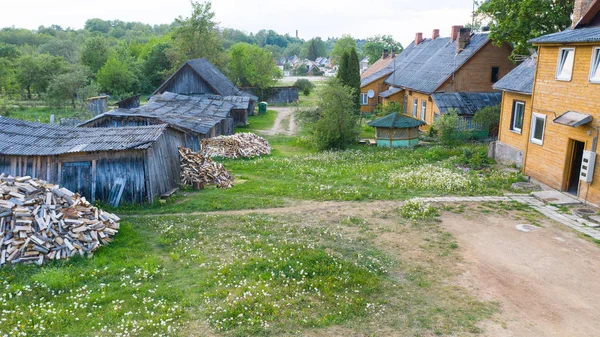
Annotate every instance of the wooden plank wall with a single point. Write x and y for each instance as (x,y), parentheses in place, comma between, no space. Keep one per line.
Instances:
(506,135)
(187,82)
(163,167)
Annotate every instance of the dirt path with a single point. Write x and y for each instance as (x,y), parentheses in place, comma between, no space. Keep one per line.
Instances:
(284,123)
(546,281)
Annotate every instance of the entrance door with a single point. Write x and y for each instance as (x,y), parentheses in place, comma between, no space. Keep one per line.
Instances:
(576,157)
(77,177)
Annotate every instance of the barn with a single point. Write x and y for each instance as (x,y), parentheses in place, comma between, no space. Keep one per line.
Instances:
(199,77)
(113,165)
(198,117)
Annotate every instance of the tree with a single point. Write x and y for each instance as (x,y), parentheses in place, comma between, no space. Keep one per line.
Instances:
(97,25)
(64,87)
(66,49)
(353,77)
(157,64)
(252,66)
(95,53)
(374,47)
(342,73)
(304,85)
(488,117)
(449,128)
(336,126)
(316,48)
(517,21)
(34,72)
(116,78)
(342,46)
(198,36)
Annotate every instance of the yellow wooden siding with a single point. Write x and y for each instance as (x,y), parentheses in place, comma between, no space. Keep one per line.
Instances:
(506,135)
(378,87)
(550,162)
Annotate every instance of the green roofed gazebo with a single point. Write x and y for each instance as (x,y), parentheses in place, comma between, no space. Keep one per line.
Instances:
(397,130)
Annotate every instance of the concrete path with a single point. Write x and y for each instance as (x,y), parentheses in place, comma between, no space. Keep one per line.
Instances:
(579,224)
(284,123)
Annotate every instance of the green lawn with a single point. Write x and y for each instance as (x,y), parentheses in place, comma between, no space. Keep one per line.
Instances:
(259,122)
(42,114)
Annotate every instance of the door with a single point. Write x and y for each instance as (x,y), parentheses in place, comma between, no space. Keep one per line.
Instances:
(575,170)
(77,177)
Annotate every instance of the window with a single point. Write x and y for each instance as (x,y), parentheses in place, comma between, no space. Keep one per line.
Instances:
(423,109)
(538,124)
(495,73)
(595,68)
(564,68)
(516,123)
(364,99)
(415,107)
(405,106)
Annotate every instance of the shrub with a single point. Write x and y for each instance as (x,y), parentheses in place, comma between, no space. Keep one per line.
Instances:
(488,117)
(388,108)
(305,86)
(417,210)
(449,128)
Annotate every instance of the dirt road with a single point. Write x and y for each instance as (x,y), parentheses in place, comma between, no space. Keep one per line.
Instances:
(284,123)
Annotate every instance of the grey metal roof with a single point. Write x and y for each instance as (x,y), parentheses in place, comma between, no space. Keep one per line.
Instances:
(466,103)
(519,79)
(579,35)
(390,92)
(377,75)
(426,66)
(195,113)
(239,102)
(23,138)
(212,76)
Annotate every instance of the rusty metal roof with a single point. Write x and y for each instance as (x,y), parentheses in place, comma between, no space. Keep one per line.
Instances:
(21,138)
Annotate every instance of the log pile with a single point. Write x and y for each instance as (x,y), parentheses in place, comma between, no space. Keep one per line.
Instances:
(41,222)
(198,170)
(240,145)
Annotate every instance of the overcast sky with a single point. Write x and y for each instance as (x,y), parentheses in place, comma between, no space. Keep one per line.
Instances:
(329,18)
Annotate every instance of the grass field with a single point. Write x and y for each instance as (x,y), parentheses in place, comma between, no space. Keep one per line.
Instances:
(259,122)
(42,114)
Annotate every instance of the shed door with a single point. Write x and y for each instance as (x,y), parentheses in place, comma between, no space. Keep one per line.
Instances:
(77,177)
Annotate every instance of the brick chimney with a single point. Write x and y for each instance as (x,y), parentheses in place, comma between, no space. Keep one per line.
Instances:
(385,54)
(579,9)
(464,37)
(454,33)
(436,34)
(418,38)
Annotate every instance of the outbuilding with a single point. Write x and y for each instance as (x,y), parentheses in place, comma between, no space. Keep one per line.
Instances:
(397,130)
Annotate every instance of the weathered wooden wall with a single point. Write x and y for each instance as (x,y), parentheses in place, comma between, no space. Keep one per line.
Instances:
(274,95)
(163,165)
(187,82)
(476,74)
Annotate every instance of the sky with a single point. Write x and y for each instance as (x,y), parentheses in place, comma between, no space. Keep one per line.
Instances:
(330,18)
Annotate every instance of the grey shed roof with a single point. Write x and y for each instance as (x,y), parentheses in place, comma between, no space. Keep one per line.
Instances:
(579,35)
(389,92)
(466,103)
(212,76)
(239,102)
(519,79)
(426,66)
(195,113)
(21,138)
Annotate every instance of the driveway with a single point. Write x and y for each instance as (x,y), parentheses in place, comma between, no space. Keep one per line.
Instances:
(284,123)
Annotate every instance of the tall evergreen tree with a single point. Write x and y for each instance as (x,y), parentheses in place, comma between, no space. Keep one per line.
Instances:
(312,50)
(353,76)
(342,74)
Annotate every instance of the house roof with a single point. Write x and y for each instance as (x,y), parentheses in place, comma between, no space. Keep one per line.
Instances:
(194,113)
(589,15)
(21,138)
(579,35)
(519,79)
(397,121)
(212,76)
(377,70)
(466,103)
(389,92)
(426,66)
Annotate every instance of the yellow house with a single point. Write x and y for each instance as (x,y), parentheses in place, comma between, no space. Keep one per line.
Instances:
(559,132)
(371,81)
(465,63)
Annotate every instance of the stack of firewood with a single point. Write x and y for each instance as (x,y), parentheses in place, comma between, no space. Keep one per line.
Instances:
(198,170)
(240,145)
(41,222)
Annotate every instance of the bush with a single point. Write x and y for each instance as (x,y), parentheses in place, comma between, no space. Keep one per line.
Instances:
(388,108)
(450,130)
(488,117)
(5,108)
(305,86)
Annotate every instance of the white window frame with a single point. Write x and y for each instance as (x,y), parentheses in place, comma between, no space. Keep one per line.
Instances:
(423,109)
(560,64)
(595,65)
(535,116)
(415,107)
(514,115)
(364,98)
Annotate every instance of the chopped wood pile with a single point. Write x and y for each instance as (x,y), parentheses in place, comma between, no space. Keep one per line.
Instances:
(198,170)
(240,145)
(41,222)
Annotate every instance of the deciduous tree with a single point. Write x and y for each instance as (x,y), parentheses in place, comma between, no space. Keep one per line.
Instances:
(252,66)
(116,78)
(374,47)
(95,53)
(342,46)
(64,87)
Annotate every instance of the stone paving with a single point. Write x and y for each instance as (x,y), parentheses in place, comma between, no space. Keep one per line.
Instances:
(579,224)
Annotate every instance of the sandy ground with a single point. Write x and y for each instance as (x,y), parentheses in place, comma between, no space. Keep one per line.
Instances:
(279,128)
(547,281)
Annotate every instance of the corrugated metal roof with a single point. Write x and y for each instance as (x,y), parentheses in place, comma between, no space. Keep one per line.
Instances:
(195,113)
(239,102)
(579,35)
(426,66)
(466,103)
(19,137)
(519,79)
(390,92)
(396,120)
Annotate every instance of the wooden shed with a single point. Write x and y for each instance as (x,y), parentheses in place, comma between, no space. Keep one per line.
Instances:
(129,164)
(397,130)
